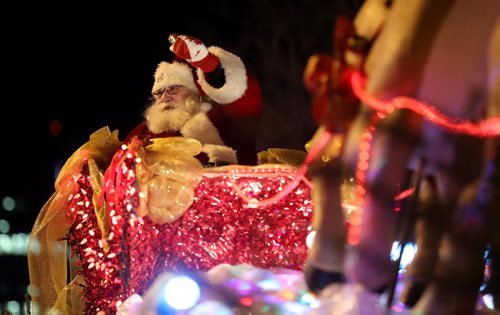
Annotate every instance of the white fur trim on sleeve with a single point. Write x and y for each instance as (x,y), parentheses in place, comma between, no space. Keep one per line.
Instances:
(201,128)
(236,78)
(220,153)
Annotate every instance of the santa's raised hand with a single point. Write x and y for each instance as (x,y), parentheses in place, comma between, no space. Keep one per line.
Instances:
(193,51)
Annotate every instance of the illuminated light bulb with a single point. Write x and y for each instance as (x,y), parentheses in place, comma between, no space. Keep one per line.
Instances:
(241,286)
(34,246)
(253,203)
(8,203)
(182,293)
(487,128)
(293,307)
(13,307)
(395,251)
(488,301)
(308,299)
(33,290)
(287,294)
(269,285)
(132,305)
(404,194)
(55,127)
(246,301)
(310,239)
(4,226)
(409,252)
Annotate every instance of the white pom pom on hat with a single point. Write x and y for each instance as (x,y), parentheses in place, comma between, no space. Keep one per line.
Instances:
(174,73)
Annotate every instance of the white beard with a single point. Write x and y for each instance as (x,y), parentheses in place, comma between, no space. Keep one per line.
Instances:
(161,120)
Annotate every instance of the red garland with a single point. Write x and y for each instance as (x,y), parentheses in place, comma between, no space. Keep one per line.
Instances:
(97,267)
(219,227)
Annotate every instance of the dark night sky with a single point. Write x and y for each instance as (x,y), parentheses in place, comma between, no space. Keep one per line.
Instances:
(92,67)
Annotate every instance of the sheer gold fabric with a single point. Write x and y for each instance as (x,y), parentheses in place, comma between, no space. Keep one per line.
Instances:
(167,177)
(281,156)
(47,250)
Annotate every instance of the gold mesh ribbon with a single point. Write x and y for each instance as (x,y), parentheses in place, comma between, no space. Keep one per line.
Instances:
(281,156)
(297,157)
(167,176)
(47,260)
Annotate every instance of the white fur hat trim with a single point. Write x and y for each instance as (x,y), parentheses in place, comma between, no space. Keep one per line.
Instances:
(175,73)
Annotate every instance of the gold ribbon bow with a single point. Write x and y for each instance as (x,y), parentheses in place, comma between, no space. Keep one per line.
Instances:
(167,175)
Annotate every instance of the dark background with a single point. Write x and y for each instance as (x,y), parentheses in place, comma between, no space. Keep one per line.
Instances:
(88,67)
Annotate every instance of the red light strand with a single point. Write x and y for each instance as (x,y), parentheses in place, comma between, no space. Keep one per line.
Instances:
(486,128)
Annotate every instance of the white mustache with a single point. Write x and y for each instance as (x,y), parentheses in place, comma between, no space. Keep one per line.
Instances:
(169,105)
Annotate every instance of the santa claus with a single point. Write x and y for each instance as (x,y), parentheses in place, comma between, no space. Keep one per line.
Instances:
(205,94)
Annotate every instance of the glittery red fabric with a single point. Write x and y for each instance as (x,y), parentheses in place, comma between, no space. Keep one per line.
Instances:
(219,227)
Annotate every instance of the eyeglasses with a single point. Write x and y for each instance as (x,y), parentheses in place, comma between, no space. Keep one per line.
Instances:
(171,90)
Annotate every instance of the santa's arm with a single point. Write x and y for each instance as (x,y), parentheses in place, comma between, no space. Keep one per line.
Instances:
(235,81)
(222,76)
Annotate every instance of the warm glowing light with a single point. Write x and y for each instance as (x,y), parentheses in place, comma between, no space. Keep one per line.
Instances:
(404,194)
(298,175)
(359,191)
(310,239)
(486,128)
(33,290)
(246,301)
(55,127)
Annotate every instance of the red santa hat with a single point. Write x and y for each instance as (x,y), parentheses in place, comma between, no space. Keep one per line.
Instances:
(174,73)
(180,73)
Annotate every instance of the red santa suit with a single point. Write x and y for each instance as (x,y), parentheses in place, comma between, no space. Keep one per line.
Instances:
(231,118)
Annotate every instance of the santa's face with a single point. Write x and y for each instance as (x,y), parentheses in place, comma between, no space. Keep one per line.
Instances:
(171,109)
(173,93)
